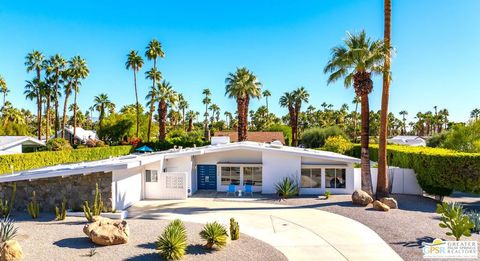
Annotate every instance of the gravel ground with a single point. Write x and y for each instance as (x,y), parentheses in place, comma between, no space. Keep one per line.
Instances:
(404,229)
(46,239)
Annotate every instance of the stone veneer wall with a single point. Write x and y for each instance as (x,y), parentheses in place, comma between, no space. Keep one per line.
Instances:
(50,192)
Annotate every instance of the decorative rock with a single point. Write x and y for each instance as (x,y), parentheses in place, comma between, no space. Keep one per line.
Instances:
(106,232)
(11,251)
(360,197)
(390,202)
(380,206)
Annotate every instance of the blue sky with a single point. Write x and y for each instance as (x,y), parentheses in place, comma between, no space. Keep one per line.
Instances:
(285,43)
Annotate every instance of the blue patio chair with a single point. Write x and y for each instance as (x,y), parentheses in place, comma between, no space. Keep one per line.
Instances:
(231,189)
(249,190)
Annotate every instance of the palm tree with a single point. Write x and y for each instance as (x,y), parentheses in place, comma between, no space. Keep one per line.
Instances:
(165,96)
(48,90)
(288,100)
(182,105)
(135,62)
(34,62)
(355,61)
(404,120)
(101,104)
(153,52)
(68,79)
(300,95)
(475,114)
(242,85)
(266,94)
(153,75)
(55,65)
(79,71)
(190,116)
(355,101)
(3,89)
(215,111)
(206,100)
(228,118)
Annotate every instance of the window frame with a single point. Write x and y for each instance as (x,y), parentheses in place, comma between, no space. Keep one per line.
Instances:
(336,171)
(148,175)
(310,170)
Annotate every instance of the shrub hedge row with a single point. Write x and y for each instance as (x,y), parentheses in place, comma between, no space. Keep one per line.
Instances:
(48,158)
(439,171)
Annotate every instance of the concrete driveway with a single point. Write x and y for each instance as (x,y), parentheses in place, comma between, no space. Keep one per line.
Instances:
(300,233)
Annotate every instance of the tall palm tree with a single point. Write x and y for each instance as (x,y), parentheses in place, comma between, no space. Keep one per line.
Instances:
(206,100)
(153,52)
(300,95)
(355,61)
(34,62)
(228,118)
(288,100)
(475,114)
(3,89)
(79,71)
(182,105)
(68,80)
(404,120)
(56,65)
(266,94)
(135,62)
(242,85)
(101,104)
(355,101)
(165,96)
(48,90)
(215,111)
(153,75)
(190,116)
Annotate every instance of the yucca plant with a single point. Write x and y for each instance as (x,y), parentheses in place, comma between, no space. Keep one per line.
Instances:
(173,242)
(234,229)
(215,234)
(61,213)
(475,218)
(287,188)
(452,218)
(8,231)
(33,207)
(97,205)
(6,205)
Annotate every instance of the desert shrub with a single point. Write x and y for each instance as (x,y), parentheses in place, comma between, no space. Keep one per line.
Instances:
(97,205)
(58,144)
(33,160)
(327,194)
(474,216)
(215,234)
(33,207)
(91,143)
(61,213)
(315,137)
(100,143)
(173,241)
(337,144)
(439,171)
(454,220)
(8,231)
(285,129)
(464,138)
(178,138)
(287,188)
(234,229)
(436,140)
(6,205)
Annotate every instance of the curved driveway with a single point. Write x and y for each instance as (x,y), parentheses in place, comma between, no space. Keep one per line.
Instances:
(300,233)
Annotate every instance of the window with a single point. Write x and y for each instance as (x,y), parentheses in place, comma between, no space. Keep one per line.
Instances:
(151,175)
(230,176)
(335,178)
(311,178)
(252,176)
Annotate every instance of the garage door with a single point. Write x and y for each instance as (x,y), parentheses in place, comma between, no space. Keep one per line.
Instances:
(207,176)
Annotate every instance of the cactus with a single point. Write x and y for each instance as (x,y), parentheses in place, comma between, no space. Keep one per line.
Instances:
(6,205)
(33,207)
(234,229)
(97,206)
(61,213)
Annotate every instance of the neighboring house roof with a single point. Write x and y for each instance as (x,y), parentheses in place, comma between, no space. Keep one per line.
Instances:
(81,133)
(408,140)
(255,136)
(11,141)
(131,161)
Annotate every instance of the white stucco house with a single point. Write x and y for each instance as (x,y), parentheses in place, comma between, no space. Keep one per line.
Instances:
(408,140)
(81,135)
(178,173)
(19,144)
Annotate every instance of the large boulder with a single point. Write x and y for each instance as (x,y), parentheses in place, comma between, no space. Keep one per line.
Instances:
(380,206)
(11,251)
(390,202)
(360,197)
(106,232)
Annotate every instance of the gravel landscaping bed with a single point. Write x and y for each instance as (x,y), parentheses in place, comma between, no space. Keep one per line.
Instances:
(46,239)
(404,229)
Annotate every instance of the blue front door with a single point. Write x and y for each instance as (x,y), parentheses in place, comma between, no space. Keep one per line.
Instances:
(207,176)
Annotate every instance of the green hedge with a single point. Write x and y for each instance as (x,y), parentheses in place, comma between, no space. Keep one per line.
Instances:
(439,171)
(48,158)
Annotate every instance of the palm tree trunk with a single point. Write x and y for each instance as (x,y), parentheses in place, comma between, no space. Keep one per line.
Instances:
(355,123)
(190,125)
(364,140)
(39,116)
(162,117)
(75,118)
(57,120)
(241,119)
(152,106)
(183,118)
(207,131)
(136,96)
(47,117)
(101,116)
(65,104)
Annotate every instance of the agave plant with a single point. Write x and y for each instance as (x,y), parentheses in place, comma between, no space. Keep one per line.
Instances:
(173,242)
(215,234)
(475,219)
(287,188)
(8,230)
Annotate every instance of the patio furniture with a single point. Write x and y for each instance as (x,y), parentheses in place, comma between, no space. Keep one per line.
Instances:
(239,193)
(231,189)
(249,189)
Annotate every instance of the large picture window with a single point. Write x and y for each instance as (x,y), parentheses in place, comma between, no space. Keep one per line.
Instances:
(252,176)
(311,178)
(335,178)
(230,176)
(151,175)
